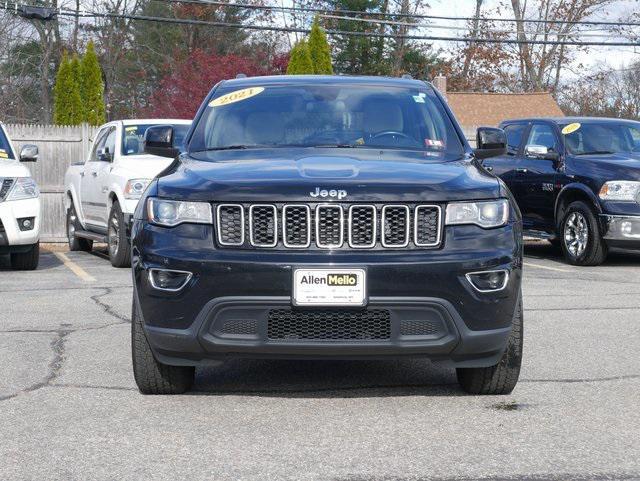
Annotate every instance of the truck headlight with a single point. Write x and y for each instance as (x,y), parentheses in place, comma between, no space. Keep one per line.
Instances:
(173,212)
(135,188)
(23,188)
(623,190)
(488,214)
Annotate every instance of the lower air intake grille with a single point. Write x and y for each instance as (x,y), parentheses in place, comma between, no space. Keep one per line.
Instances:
(240,327)
(329,325)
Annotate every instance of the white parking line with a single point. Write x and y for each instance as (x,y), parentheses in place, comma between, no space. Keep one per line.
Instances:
(538,266)
(75,268)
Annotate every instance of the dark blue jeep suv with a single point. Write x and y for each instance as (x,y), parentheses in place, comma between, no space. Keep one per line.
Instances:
(576,181)
(315,217)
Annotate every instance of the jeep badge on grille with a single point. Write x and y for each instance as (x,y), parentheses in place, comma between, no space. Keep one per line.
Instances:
(339,194)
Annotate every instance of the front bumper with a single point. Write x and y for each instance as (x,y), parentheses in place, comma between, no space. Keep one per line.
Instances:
(622,230)
(433,311)
(12,238)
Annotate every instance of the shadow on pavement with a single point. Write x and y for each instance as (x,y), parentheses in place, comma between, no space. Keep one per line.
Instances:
(544,250)
(47,261)
(327,379)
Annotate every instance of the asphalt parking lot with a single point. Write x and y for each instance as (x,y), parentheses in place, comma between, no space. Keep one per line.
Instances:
(69,409)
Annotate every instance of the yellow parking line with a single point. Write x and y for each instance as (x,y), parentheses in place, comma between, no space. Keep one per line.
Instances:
(557,269)
(73,267)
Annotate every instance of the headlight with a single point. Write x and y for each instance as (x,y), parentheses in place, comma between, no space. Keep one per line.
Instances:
(624,190)
(494,213)
(135,188)
(173,212)
(24,188)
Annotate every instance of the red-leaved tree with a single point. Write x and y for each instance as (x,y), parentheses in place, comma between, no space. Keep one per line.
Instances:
(182,90)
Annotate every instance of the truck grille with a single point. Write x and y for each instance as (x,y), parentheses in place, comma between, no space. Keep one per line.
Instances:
(329,325)
(5,187)
(329,226)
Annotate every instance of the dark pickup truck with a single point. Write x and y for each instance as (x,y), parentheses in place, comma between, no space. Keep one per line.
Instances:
(320,217)
(576,181)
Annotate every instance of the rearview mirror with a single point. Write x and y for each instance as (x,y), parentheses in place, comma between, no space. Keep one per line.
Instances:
(29,153)
(490,142)
(540,152)
(104,155)
(158,140)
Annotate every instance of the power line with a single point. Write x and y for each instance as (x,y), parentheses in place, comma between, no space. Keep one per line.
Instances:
(69,13)
(401,15)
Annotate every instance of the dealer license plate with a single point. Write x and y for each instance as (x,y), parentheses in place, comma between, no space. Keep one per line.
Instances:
(329,287)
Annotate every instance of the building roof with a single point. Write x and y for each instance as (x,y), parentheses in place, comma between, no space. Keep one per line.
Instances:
(474,109)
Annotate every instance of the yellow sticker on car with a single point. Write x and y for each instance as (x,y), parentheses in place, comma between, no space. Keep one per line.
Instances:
(132,128)
(4,155)
(569,129)
(236,96)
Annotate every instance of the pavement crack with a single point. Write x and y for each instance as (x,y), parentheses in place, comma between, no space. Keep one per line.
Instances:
(107,307)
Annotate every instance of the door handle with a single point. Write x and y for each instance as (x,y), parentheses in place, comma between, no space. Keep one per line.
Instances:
(81,174)
(522,170)
(95,174)
(489,168)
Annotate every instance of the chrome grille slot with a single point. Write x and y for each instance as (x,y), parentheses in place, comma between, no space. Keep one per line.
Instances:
(296,225)
(263,225)
(329,226)
(396,225)
(363,221)
(230,220)
(427,225)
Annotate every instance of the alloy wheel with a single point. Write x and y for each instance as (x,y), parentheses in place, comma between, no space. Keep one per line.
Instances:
(114,236)
(576,234)
(71,225)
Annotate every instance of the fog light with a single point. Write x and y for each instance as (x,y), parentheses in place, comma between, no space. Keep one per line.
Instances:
(168,280)
(26,223)
(489,281)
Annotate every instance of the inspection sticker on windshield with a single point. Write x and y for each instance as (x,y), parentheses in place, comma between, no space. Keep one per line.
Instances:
(329,287)
(3,154)
(569,129)
(236,96)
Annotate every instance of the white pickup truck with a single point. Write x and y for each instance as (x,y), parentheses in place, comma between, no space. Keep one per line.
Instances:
(19,205)
(103,190)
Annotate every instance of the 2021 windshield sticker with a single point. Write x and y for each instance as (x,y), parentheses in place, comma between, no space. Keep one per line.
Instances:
(236,96)
(571,128)
(3,154)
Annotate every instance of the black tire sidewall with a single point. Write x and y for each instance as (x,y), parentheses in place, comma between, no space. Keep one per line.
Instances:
(121,259)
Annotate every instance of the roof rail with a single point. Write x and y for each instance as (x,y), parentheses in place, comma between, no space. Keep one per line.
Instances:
(241,75)
(407,76)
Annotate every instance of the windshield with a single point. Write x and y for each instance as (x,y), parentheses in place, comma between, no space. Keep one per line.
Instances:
(5,148)
(332,116)
(133,137)
(601,138)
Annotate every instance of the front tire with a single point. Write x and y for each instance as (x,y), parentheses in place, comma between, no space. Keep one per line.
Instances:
(119,248)
(153,377)
(503,377)
(76,243)
(582,244)
(26,261)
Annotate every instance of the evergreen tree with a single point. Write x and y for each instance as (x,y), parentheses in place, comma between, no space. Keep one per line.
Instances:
(319,50)
(92,87)
(300,62)
(67,108)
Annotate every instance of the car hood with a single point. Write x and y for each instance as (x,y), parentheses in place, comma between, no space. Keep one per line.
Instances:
(13,168)
(622,166)
(144,166)
(271,177)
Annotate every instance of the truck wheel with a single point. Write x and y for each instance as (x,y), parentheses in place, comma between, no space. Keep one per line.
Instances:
(503,377)
(153,377)
(26,261)
(582,244)
(76,243)
(119,248)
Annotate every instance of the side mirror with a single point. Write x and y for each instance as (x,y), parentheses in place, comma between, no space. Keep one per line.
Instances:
(540,152)
(104,155)
(29,153)
(490,142)
(158,140)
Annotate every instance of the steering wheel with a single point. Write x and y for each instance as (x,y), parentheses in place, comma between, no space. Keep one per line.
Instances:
(393,133)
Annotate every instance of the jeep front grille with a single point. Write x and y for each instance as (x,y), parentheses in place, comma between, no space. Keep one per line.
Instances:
(329,226)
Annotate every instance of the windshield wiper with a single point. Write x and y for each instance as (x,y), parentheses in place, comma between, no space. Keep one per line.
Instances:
(596,152)
(233,147)
(335,146)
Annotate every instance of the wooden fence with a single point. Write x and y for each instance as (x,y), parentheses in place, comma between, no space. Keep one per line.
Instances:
(59,146)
